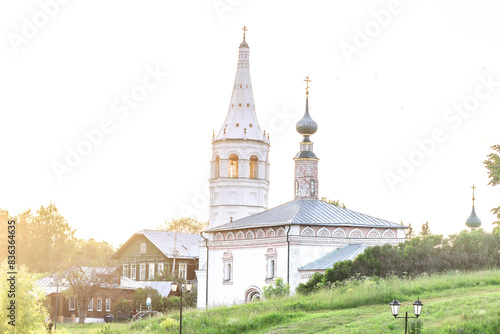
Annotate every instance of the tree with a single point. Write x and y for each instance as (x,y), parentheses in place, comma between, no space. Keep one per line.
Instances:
(84,282)
(184,225)
(336,203)
(493,166)
(141,294)
(409,233)
(426,231)
(44,239)
(30,313)
(91,253)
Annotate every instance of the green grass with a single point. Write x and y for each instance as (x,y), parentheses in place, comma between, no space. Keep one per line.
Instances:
(453,303)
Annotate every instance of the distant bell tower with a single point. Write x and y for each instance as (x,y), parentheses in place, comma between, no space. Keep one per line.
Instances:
(306,162)
(473,221)
(239,176)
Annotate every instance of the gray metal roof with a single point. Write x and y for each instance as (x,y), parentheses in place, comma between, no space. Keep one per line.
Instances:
(171,244)
(348,252)
(162,287)
(307,212)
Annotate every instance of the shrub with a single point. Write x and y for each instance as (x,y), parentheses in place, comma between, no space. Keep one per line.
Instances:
(278,289)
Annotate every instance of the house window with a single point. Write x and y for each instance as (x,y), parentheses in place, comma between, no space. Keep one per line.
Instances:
(151,271)
(133,274)
(99,304)
(142,248)
(217,167)
(183,270)
(253,166)
(90,306)
(160,269)
(142,273)
(233,165)
(71,304)
(125,270)
(108,305)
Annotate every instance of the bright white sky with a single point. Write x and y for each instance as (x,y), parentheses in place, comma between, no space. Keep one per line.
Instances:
(69,75)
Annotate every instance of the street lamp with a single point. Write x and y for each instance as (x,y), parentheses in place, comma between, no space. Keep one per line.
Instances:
(188,286)
(56,279)
(417,307)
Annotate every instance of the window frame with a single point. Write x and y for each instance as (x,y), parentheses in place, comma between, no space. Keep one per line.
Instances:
(233,166)
(161,268)
(151,273)
(133,269)
(71,301)
(90,305)
(125,269)
(184,270)
(142,248)
(107,307)
(99,306)
(142,270)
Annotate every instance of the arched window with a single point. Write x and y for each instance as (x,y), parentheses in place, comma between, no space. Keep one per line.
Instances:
(313,187)
(271,269)
(254,164)
(233,165)
(296,188)
(228,272)
(217,167)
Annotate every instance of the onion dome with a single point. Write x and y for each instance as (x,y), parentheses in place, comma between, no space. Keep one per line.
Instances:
(307,126)
(473,221)
(244,44)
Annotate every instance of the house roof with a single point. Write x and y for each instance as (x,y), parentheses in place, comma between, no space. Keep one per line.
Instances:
(307,212)
(171,244)
(348,252)
(125,283)
(162,287)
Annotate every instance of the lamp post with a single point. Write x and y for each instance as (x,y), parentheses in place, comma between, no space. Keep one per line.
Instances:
(56,279)
(188,286)
(417,307)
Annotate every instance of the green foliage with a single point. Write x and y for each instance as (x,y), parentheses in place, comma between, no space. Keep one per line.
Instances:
(492,164)
(336,203)
(123,305)
(277,289)
(30,312)
(173,303)
(475,250)
(141,294)
(415,327)
(185,225)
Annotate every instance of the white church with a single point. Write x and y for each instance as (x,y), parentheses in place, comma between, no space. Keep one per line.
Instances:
(247,245)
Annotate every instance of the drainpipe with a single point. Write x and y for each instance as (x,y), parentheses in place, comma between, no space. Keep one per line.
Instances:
(288,260)
(206,280)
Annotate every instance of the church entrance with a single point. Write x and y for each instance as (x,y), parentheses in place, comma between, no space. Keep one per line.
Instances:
(252,293)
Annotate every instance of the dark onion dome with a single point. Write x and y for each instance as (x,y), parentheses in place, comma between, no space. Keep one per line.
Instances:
(473,221)
(306,126)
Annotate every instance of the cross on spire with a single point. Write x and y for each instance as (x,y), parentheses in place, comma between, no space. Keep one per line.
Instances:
(307,80)
(244,31)
(473,199)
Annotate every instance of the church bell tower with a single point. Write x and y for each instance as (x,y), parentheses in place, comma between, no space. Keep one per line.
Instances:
(306,161)
(239,176)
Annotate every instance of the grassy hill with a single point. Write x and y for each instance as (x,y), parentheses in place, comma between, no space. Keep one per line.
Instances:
(453,303)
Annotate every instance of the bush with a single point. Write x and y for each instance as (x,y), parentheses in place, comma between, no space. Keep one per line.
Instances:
(278,289)
(141,294)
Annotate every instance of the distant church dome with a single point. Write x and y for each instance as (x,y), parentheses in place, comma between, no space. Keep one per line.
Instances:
(244,44)
(307,126)
(473,221)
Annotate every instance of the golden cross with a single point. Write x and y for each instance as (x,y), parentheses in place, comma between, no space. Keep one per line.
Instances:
(244,31)
(307,80)
(473,188)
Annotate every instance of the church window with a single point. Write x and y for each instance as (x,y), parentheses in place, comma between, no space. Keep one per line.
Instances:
(133,274)
(313,187)
(217,167)
(248,104)
(239,105)
(296,188)
(227,261)
(233,165)
(271,270)
(125,270)
(388,234)
(237,124)
(254,161)
(250,125)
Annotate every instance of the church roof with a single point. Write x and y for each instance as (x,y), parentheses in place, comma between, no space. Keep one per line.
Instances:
(307,212)
(348,252)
